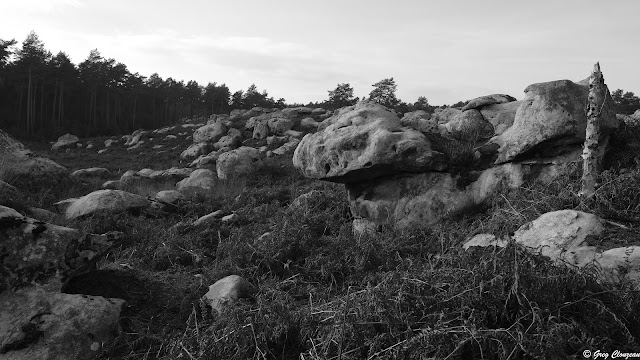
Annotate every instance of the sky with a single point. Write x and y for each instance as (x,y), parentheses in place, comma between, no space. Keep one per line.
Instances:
(447,50)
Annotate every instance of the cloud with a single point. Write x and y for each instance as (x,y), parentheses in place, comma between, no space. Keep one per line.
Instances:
(41,6)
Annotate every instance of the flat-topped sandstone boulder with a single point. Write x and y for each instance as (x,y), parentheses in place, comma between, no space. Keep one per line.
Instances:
(551,114)
(361,143)
(488,100)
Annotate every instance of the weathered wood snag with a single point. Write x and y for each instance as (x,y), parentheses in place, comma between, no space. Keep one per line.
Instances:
(596,101)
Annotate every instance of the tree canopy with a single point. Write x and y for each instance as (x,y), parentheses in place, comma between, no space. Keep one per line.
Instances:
(384,93)
(625,102)
(44,96)
(341,96)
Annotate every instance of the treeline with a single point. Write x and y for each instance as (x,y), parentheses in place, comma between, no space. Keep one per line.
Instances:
(44,95)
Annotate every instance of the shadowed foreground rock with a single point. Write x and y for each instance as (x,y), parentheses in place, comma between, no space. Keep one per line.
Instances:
(563,237)
(43,325)
(33,251)
(36,320)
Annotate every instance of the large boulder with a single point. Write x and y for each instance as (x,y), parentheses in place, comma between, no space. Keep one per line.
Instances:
(488,100)
(105,201)
(367,141)
(286,148)
(94,172)
(469,125)
(564,236)
(16,161)
(231,140)
(45,325)
(210,133)
(238,162)
(444,115)
(501,116)
(415,200)
(195,150)
(420,120)
(552,114)
(65,141)
(280,125)
(309,124)
(260,130)
(135,140)
(199,180)
(30,250)
(148,177)
(33,251)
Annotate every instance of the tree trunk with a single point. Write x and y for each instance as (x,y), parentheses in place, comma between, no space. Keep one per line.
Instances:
(20,103)
(29,105)
(95,106)
(108,110)
(595,104)
(54,103)
(42,105)
(60,106)
(133,124)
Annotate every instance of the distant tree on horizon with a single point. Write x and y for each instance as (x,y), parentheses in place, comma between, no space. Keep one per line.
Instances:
(384,93)
(341,96)
(625,102)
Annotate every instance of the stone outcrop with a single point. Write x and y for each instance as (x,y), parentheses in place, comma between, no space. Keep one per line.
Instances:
(199,180)
(133,140)
(413,200)
(94,172)
(242,161)
(488,100)
(417,170)
(421,120)
(40,324)
(500,116)
(65,141)
(16,161)
(34,251)
(195,150)
(105,201)
(210,133)
(36,320)
(551,115)
(563,236)
(365,141)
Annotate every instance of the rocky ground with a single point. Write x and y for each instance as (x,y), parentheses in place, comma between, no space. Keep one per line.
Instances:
(457,234)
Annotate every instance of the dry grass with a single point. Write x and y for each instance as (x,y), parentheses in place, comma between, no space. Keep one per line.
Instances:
(325,294)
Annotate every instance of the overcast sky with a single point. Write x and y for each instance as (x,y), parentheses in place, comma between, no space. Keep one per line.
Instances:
(446,50)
